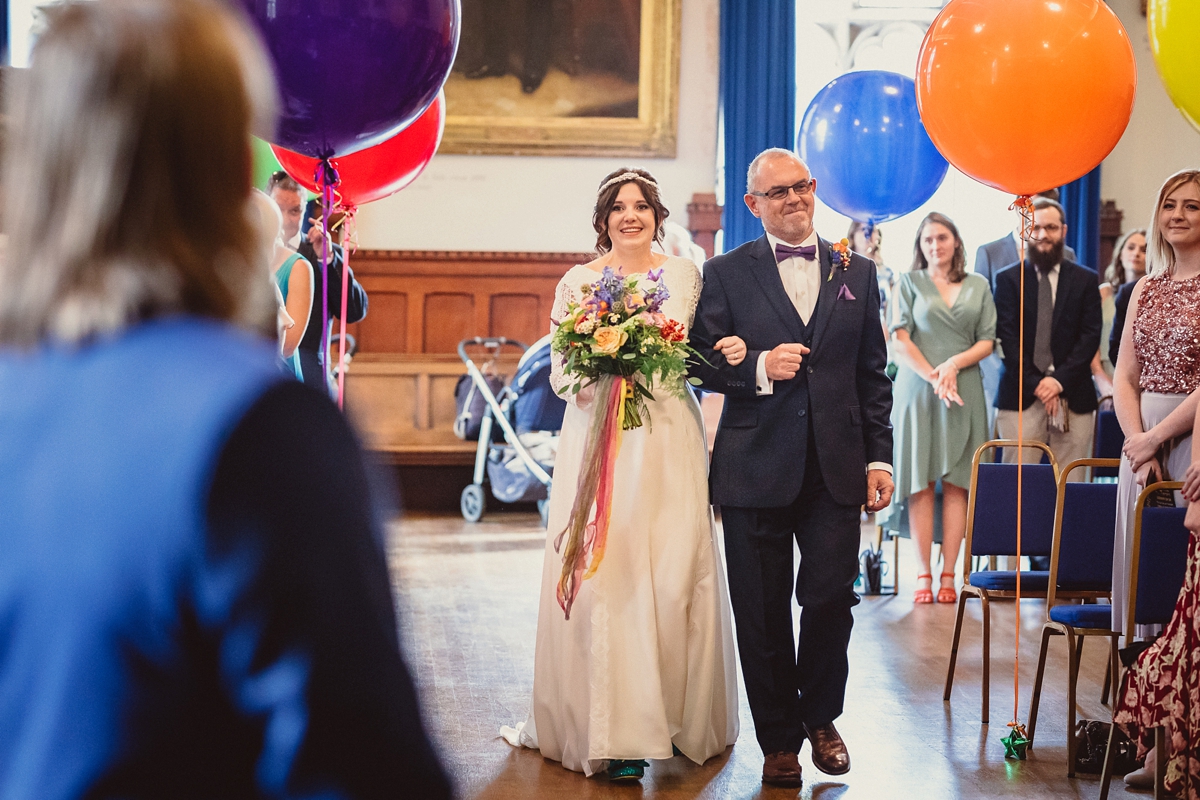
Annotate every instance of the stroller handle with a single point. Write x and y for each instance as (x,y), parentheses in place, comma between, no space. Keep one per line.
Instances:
(491,342)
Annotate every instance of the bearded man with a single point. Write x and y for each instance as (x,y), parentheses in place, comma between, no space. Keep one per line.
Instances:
(1062,334)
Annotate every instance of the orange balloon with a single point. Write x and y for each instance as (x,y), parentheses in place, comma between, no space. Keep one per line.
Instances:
(1026,95)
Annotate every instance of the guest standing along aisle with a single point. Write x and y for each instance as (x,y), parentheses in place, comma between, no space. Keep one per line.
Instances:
(191,607)
(1061,337)
(1163,335)
(1158,372)
(645,663)
(944,317)
(804,441)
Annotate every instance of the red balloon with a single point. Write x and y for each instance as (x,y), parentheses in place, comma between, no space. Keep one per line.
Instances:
(1026,95)
(378,171)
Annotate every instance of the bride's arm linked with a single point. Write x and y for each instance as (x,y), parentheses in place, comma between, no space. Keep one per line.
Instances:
(713,321)
(563,384)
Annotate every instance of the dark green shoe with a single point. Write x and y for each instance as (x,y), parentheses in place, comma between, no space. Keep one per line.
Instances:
(622,770)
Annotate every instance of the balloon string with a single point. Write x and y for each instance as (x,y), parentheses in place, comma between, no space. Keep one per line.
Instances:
(326,179)
(1024,206)
(347,223)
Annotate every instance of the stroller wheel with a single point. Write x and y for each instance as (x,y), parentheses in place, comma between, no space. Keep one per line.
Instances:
(544,511)
(473,502)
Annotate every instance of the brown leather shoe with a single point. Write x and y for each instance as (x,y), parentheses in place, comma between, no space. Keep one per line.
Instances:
(782,769)
(829,752)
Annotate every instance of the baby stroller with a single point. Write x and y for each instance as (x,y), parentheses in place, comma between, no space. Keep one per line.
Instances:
(518,459)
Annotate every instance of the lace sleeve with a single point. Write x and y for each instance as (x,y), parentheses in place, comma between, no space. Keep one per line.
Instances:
(564,295)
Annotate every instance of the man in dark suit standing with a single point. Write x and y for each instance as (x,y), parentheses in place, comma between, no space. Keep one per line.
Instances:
(990,258)
(804,441)
(1062,334)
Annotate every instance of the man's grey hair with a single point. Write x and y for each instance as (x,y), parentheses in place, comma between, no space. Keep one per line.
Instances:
(772,152)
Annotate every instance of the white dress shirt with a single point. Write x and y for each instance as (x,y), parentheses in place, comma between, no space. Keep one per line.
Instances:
(802,282)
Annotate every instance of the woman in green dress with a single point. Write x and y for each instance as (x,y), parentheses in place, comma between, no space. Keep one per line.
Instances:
(944,324)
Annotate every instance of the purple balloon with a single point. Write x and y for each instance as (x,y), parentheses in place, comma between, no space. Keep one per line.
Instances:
(353,73)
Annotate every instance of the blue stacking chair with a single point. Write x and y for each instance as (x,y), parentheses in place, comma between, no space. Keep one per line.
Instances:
(992,531)
(1108,441)
(1156,572)
(1085,522)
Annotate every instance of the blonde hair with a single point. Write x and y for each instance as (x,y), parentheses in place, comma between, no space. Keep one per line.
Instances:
(128,171)
(1160,256)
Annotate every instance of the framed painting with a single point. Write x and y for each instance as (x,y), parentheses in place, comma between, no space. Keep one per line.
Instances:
(565,77)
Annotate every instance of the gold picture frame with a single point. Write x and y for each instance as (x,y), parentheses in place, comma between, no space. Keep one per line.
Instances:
(652,133)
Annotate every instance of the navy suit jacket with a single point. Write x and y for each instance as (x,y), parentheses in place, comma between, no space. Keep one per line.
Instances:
(994,256)
(759,455)
(1122,308)
(1074,338)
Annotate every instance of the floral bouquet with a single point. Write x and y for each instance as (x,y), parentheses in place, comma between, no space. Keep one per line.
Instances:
(620,331)
(616,333)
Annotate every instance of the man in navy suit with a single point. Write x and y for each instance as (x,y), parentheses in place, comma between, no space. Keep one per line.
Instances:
(1062,334)
(990,258)
(804,441)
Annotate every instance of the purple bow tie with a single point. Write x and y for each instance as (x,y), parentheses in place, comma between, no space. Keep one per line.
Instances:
(783,251)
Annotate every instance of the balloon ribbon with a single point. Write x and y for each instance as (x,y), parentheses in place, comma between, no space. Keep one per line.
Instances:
(585,541)
(347,246)
(1017,740)
(326,179)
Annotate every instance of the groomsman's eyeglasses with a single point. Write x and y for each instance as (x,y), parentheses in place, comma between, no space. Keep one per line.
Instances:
(780,192)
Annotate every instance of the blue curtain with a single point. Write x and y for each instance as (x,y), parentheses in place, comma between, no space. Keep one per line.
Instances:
(1081,201)
(758,97)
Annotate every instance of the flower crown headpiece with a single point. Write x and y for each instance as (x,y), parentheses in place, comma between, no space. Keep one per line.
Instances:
(628,176)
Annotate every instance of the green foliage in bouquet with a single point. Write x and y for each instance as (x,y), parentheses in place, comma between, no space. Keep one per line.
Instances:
(620,330)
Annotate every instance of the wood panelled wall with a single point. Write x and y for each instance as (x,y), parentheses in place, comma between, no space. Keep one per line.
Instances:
(400,387)
(426,302)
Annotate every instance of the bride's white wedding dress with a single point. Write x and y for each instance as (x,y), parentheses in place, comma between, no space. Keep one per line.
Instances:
(646,660)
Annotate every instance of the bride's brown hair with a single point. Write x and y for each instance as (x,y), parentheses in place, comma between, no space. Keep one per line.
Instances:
(610,187)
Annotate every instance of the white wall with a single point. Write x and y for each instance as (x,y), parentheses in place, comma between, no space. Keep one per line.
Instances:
(545,204)
(1158,141)
(980,212)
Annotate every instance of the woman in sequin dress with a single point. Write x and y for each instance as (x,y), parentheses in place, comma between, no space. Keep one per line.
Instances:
(1156,403)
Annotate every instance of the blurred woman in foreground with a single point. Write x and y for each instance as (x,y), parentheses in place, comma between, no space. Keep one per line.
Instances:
(189,606)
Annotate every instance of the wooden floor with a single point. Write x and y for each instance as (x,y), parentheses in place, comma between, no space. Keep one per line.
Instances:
(468,600)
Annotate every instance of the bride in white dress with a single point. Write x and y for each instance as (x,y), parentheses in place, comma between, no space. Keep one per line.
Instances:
(645,666)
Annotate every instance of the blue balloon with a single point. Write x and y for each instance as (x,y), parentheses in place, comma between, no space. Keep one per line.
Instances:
(353,73)
(864,142)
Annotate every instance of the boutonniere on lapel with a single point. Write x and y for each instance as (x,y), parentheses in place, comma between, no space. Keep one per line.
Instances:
(839,256)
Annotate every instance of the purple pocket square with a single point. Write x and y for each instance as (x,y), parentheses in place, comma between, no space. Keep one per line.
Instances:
(844,293)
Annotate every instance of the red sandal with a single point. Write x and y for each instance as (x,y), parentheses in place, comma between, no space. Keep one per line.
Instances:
(946,594)
(923,596)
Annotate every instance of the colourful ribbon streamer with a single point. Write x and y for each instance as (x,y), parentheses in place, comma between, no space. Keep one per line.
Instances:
(347,242)
(585,541)
(326,179)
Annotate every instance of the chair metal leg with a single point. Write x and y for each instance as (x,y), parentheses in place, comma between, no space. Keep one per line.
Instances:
(1034,701)
(1160,762)
(962,607)
(1107,684)
(1114,667)
(987,656)
(895,565)
(1079,650)
(1072,679)
(1110,757)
